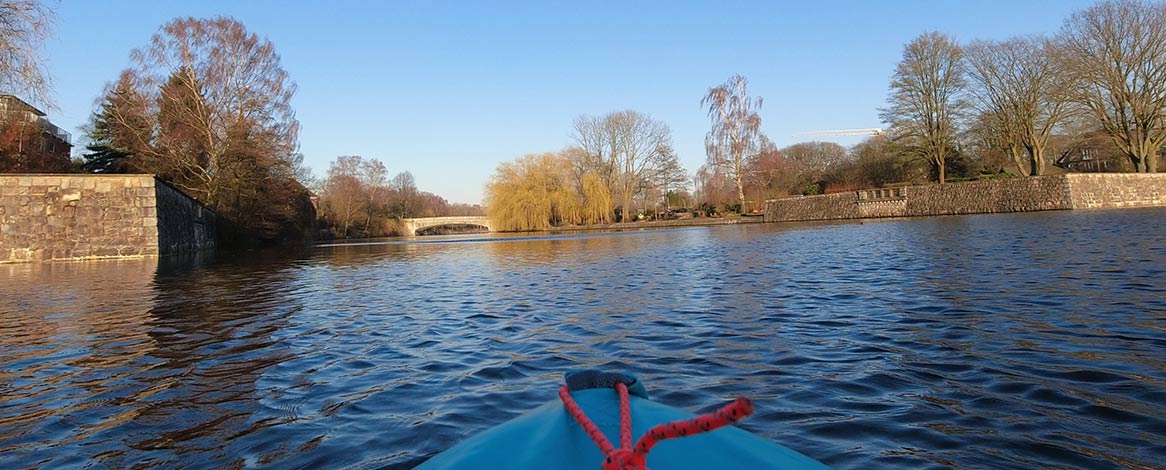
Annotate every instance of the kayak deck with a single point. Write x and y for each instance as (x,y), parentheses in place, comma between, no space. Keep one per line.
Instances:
(548,437)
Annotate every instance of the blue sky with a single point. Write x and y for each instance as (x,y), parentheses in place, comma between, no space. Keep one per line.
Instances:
(447,90)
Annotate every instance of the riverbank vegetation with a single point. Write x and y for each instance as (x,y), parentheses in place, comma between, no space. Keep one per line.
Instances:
(537,192)
(621,167)
(358,199)
(1091,97)
(1103,73)
(206,106)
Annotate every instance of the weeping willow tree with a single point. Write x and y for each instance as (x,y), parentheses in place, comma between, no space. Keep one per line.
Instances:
(597,200)
(537,192)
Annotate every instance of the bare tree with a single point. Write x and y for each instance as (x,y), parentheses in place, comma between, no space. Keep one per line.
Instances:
(1115,53)
(881,161)
(24,27)
(1017,86)
(771,173)
(925,96)
(374,177)
(736,133)
(625,149)
(814,160)
(207,107)
(595,148)
(344,199)
(669,174)
(992,135)
(996,132)
(215,94)
(405,187)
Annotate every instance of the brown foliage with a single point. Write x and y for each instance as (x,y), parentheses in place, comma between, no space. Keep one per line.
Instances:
(25,148)
(713,188)
(344,199)
(207,108)
(359,200)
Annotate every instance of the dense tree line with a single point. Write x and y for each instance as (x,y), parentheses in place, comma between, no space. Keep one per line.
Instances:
(744,167)
(621,167)
(358,199)
(206,107)
(982,109)
(808,168)
(1104,72)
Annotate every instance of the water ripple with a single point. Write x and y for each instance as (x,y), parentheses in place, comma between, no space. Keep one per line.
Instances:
(1008,341)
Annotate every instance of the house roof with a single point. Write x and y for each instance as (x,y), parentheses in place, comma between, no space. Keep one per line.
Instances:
(25,103)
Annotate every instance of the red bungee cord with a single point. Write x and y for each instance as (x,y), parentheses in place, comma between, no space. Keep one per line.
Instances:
(627,457)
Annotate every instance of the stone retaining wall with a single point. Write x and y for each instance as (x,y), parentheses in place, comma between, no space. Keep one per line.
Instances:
(184,225)
(1068,191)
(70,217)
(1112,190)
(985,197)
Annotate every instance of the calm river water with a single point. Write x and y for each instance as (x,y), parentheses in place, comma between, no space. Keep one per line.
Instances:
(1002,341)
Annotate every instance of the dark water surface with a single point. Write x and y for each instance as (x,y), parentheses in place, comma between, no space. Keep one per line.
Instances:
(1004,341)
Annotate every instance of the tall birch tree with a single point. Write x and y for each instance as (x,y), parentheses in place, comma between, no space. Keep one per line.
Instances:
(735,136)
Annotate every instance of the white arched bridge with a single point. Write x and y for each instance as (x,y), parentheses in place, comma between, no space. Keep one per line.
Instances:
(411,226)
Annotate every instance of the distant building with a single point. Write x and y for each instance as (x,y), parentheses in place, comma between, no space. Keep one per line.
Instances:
(1088,152)
(25,134)
(1093,152)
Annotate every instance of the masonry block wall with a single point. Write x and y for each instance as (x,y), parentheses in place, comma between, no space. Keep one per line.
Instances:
(184,225)
(1068,191)
(1112,190)
(71,217)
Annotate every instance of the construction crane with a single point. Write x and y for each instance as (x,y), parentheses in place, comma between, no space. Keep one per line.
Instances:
(841,133)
